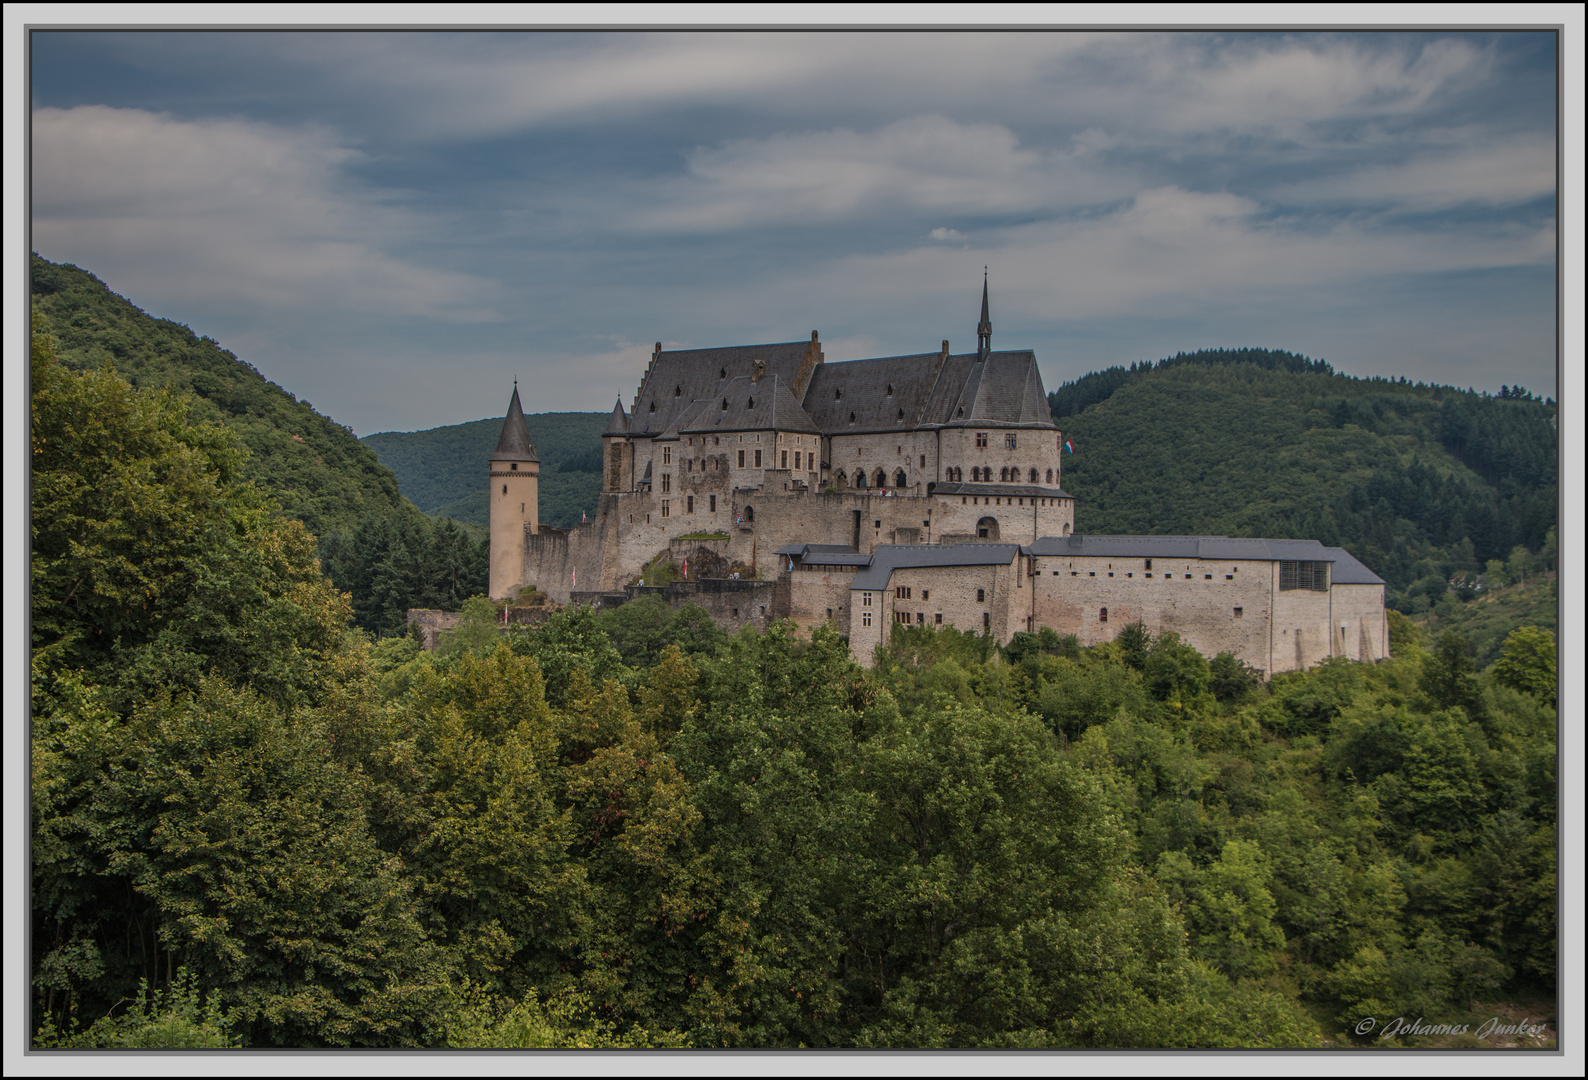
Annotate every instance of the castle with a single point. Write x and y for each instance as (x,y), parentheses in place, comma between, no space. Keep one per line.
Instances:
(921,490)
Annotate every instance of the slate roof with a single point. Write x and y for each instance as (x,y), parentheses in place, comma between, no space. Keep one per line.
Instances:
(1347,570)
(514,445)
(618,423)
(891,557)
(744,404)
(678,379)
(898,393)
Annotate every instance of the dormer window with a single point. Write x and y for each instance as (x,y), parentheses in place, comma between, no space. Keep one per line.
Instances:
(723,374)
(851,418)
(890,389)
(901,414)
(962,410)
(653,406)
(752,403)
(724,404)
(678,391)
(838,395)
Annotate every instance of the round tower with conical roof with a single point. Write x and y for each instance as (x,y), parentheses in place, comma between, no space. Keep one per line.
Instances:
(515,505)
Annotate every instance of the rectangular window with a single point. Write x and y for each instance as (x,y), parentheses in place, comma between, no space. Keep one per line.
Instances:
(865,599)
(920,618)
(758,459)
(667,455)
(741,459)
(1149,564)
(667,482)
(1304,575)
(665,505)
(926,594)
(986,621)
(784,460)
(938,618)
(798,455)
(981,438)
(1240,612)
(1009,442)
(689,504)
(981,596)
(865,618)
(713,504)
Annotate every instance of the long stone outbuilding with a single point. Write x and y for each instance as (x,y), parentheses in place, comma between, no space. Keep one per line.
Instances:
(918,489)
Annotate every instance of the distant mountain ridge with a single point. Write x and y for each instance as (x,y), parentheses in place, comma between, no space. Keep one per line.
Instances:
(443,469)
(1420,482)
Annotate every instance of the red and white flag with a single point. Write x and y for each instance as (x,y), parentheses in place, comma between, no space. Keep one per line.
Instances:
(576,579)
(686,569)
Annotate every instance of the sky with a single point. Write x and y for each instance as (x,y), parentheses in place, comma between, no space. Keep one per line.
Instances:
(396,225)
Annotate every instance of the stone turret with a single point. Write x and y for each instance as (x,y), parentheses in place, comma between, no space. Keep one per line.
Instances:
(617,453)
(515,500)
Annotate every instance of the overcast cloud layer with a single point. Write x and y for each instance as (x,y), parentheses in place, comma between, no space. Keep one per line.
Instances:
(397,225)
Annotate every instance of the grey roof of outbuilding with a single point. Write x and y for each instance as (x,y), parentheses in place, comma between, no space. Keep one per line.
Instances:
(678,379)
(1347,570)
(819,549)
(928,389)
(890,557)
(744,404)
(1031,491)
(514,445)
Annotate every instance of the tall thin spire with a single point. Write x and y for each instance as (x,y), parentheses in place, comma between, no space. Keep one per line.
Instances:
(984,328)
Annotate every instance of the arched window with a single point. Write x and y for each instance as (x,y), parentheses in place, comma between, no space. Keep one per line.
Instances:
(987,528)
(1033,479)
(840,478)
(1050,476)
(882,479)
(1003,475)
(749,513)
(860,479)
(900,480)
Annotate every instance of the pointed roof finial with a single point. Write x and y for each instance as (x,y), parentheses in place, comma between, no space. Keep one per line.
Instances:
(514,445)
(984,328)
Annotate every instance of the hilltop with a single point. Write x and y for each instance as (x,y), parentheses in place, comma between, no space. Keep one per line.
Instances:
(314,467)
(443,469)
(1422,483)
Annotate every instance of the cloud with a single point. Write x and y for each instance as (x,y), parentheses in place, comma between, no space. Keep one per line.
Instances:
(1172,251)
(922,163)
(238,212)
(946,234)
(1490,172)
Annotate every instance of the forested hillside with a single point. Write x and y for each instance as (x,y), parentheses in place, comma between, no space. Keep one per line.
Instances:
(1424,484)
(252,827)
(443,469)
(314,466)
(371,540)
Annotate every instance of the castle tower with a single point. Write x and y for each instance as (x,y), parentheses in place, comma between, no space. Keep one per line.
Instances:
(515,506)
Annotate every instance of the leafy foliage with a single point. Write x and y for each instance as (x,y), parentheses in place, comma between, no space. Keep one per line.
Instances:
(1421,483)
(314,467)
